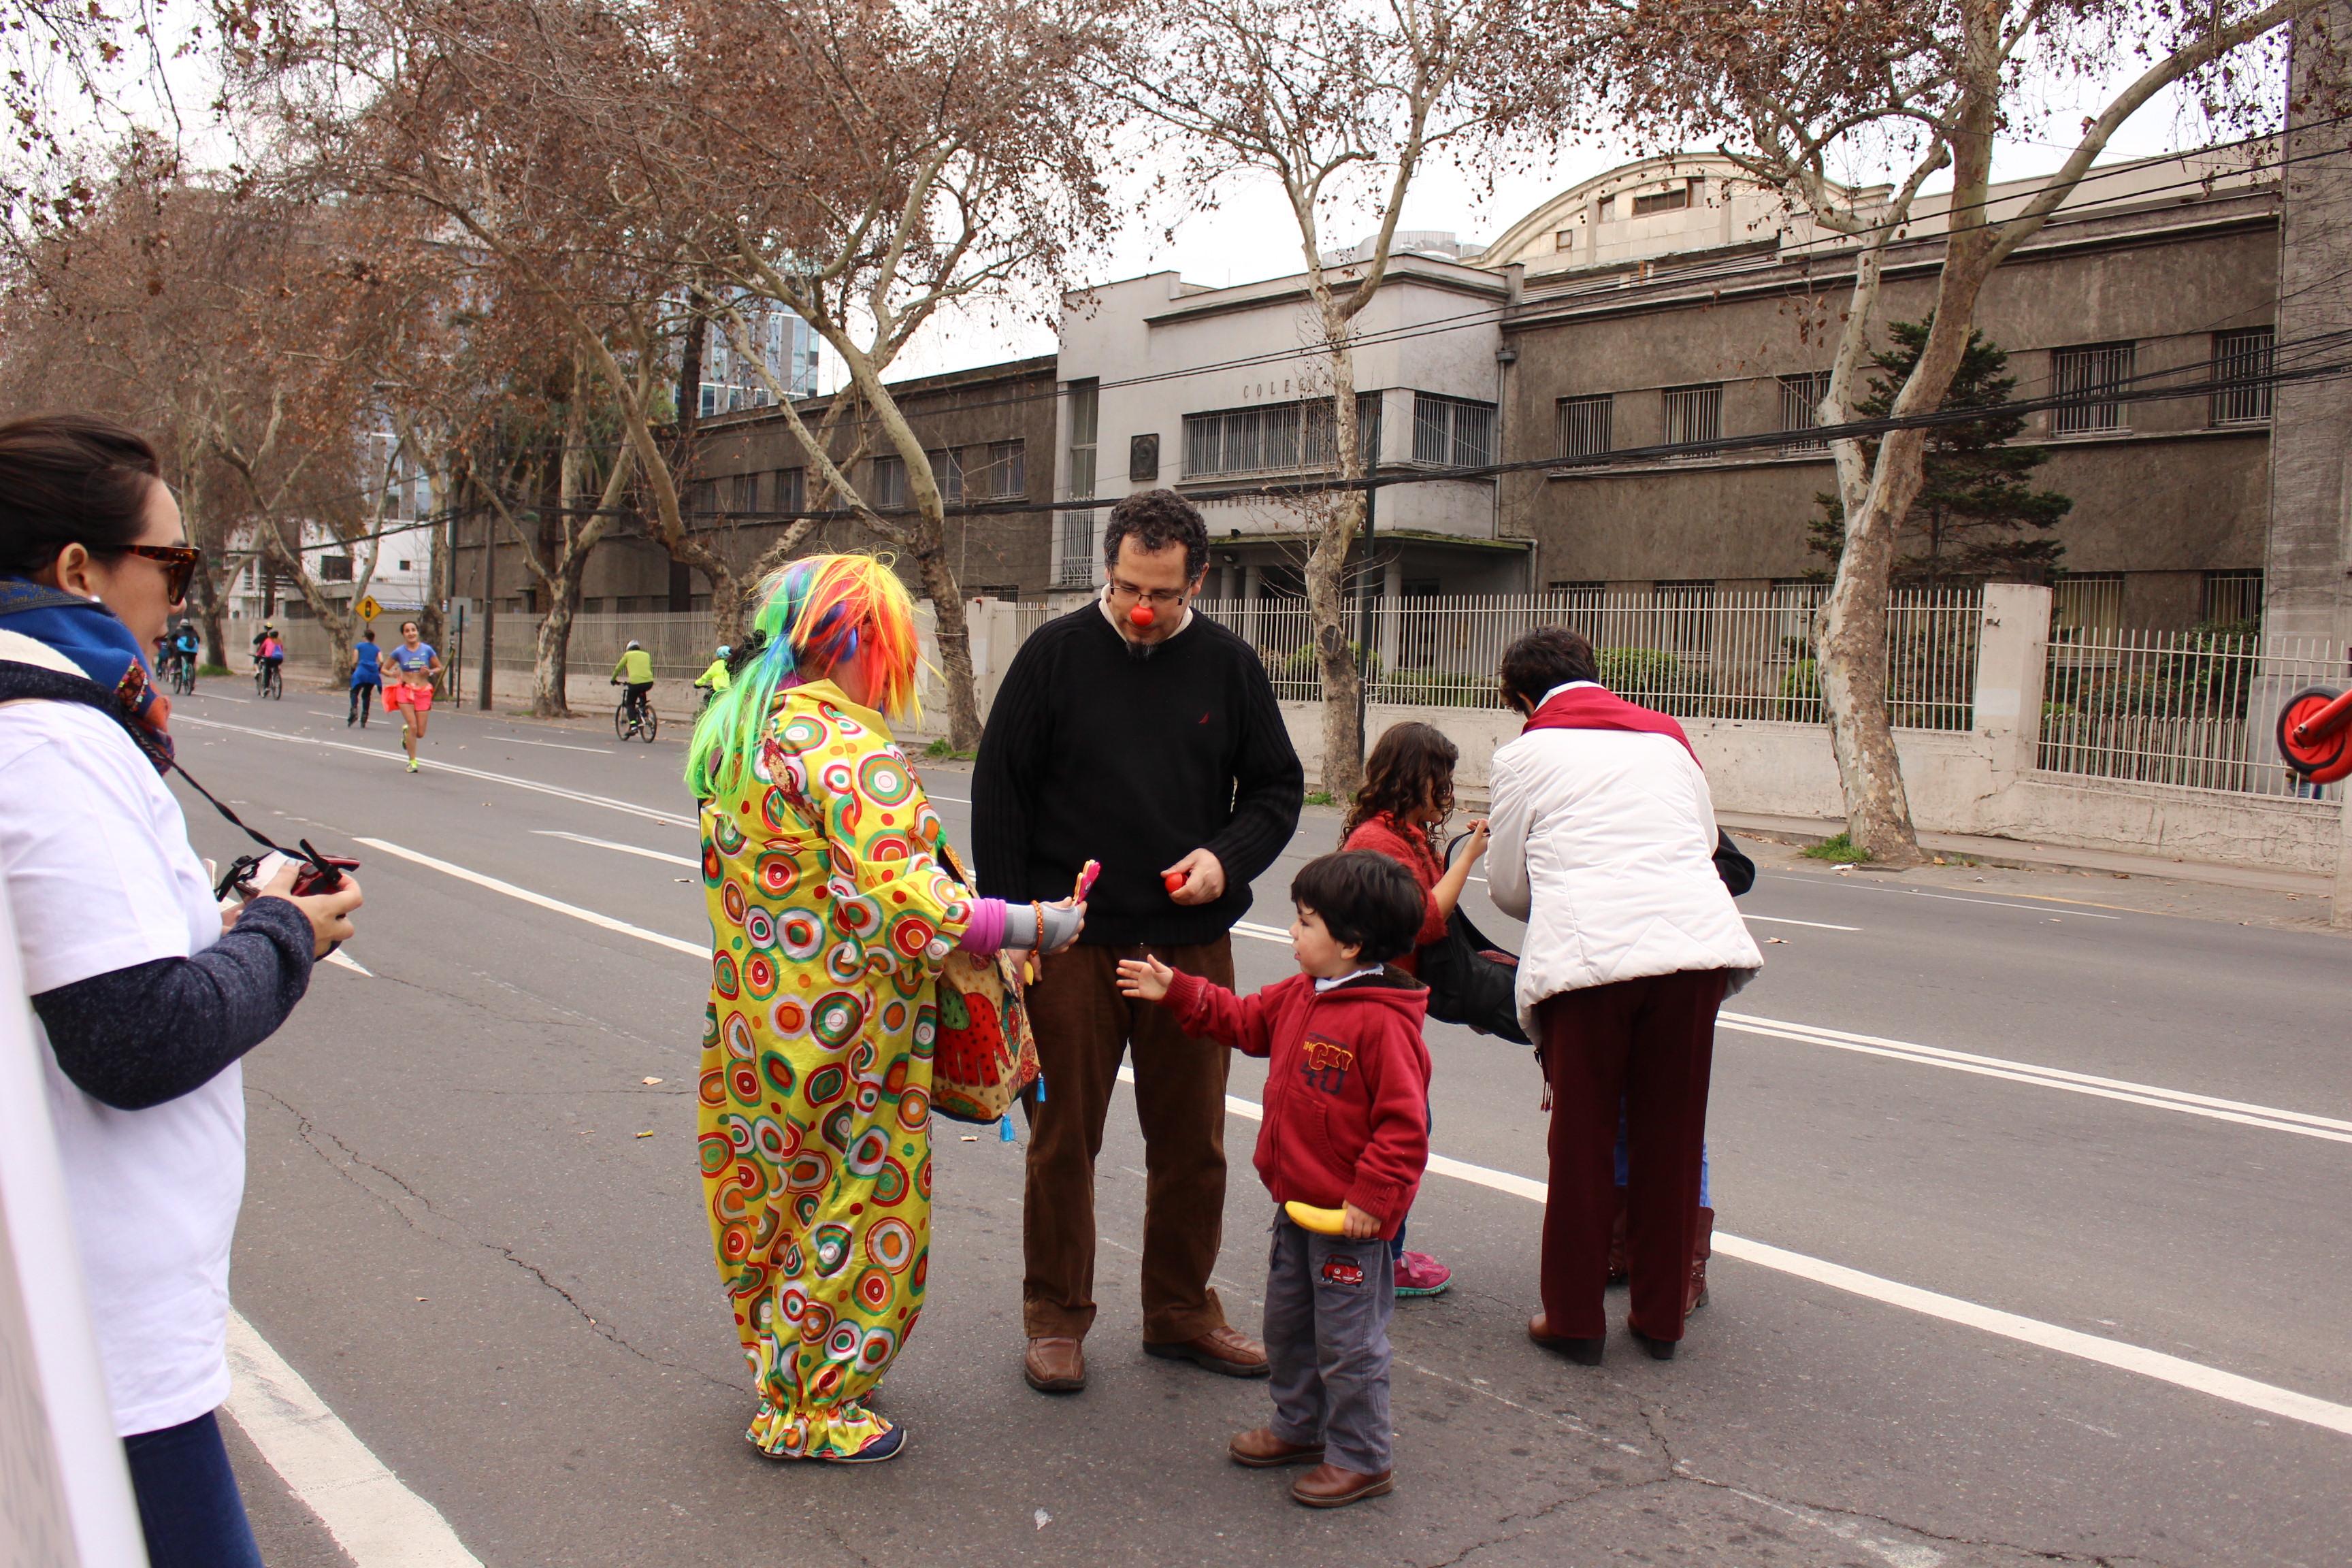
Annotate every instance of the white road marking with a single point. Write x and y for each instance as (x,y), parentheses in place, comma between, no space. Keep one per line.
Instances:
(624,848)
(1263,933)
(700,950)
(671,817)
(1948,898)
(2171,1369)
(348,961)
(314,713)
(377,1522)
(2269,1117)
(558,745)
(216,696)
(1785,921)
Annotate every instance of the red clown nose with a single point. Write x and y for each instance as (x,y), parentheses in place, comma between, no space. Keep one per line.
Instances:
(1140,616)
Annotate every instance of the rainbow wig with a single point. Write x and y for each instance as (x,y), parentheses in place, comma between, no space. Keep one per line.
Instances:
(813,615)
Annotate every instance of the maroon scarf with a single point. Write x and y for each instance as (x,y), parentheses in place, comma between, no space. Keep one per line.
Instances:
(1594,708)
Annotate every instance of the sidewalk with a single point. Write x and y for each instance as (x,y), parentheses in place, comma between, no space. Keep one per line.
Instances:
(2016,854)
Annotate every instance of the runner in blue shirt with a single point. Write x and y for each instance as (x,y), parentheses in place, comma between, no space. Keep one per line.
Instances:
(414,664)
(367,679)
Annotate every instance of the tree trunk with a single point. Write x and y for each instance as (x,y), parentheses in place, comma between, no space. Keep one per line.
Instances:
(953,637)
(1335,656)
(1852,665)
(552,658)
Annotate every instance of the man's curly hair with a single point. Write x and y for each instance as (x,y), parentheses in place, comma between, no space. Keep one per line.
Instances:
(1156,520)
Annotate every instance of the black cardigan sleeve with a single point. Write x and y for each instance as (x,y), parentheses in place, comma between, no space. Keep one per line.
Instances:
(139,1037)
(1270,783)
(1019,731)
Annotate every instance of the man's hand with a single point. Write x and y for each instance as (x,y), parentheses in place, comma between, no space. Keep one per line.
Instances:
(1356,1225)
(1144,977)
(1204,879)
(328,914)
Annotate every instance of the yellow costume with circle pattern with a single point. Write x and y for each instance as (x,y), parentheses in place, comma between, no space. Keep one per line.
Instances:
(829,917)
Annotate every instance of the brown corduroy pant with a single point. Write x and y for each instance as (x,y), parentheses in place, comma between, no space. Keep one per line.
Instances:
(1084,1027)
(1650,1043)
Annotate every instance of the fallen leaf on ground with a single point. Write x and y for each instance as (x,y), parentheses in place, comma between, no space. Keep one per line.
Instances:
(649,1080)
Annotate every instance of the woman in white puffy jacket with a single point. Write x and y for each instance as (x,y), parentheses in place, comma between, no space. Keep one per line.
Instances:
(1603,843)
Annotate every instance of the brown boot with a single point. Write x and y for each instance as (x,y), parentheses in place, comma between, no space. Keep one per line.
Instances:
(1260,1449)
(1054,1365)
(1328,1485)
(1700,1253)
(1618,1272)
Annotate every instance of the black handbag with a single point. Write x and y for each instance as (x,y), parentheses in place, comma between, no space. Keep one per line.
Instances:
(1465,987)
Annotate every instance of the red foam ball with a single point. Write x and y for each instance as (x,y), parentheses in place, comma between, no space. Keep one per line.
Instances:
(1140,616)
(1174,880)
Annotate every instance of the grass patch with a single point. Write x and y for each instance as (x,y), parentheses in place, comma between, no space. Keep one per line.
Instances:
(939,751)
(215,671)
(1321,797)
(1841,851)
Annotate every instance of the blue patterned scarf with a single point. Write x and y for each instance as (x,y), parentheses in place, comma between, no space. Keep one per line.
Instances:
(88,637)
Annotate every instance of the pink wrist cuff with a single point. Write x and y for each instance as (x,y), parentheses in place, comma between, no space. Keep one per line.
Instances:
(986,934)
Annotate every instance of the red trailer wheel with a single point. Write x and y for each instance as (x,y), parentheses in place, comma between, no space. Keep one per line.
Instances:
(2322,759)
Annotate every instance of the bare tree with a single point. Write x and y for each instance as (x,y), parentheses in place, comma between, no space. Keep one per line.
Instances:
(1794,90)
(1343,105)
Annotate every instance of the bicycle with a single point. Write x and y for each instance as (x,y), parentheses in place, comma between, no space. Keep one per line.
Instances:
(269,681)
(639,724)
(182,674)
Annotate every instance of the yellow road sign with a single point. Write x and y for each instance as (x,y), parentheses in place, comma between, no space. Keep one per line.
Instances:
(367,608)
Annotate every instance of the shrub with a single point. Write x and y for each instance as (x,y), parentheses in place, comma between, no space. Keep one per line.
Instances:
(1304,667)
(1841,851)
(1435,688)
(1632,671)
(1800,693)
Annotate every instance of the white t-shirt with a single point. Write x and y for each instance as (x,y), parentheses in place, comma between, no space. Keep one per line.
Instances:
(99,876)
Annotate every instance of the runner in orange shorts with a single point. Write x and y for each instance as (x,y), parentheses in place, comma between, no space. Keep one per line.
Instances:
(410,668)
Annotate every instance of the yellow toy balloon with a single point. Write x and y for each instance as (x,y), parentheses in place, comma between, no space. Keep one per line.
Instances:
(1326,1222)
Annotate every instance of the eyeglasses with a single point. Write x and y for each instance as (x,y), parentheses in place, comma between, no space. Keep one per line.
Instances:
(1155,597)
(178,560)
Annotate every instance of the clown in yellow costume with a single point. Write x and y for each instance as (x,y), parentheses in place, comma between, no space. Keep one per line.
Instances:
(831,914)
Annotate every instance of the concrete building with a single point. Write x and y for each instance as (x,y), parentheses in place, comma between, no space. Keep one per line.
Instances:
(1672,300)
(1204,389)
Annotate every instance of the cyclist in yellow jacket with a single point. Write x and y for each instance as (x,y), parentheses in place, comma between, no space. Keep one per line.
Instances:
(714,680)
(636,671)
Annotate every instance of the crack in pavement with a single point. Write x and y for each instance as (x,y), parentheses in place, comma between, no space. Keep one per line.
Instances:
(447,1232)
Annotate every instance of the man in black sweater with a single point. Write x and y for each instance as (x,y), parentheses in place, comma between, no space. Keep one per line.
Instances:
(1137,733)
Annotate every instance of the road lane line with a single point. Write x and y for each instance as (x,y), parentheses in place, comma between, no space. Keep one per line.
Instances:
(2241,1110)
(700,950)
(560,746)
(1785,921)
(624,848)
(2181,1373)
(670,817)
(377,1522)
(1263,933)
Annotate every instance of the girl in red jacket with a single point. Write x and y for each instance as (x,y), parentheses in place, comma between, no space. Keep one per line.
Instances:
(1347,1129)
(1408,793)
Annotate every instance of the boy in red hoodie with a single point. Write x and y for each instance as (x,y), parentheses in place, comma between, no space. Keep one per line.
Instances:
(1346,1129)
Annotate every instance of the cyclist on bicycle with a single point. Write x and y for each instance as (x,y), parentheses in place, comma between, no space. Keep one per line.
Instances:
(184,645)
(714,680)
(636,671)
(268,659)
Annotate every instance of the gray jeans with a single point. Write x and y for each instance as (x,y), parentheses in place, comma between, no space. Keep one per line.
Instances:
(1328,1302)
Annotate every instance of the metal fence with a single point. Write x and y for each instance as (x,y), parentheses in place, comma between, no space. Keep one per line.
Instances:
(1693,653)
(2197,709)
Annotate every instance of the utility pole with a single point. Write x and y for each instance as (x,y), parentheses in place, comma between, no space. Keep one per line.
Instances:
(489,606)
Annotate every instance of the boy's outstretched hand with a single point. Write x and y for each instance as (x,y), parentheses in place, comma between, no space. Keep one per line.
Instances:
(1145,977)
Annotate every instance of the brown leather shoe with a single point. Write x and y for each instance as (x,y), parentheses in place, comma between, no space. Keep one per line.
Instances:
(1696,1295)
(1328,1485)
(1223,1349)
(1260,1449)
(1054,1365)
(1583,1352)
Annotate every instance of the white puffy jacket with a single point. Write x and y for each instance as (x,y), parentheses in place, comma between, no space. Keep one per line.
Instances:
(1604,842)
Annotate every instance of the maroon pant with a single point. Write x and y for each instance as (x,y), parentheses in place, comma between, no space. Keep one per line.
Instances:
(1649,1042)
(1084,1029)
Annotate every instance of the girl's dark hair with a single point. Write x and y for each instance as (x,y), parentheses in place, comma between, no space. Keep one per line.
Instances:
(1543,659)
(1365,901)
(1412,765)
(70,479)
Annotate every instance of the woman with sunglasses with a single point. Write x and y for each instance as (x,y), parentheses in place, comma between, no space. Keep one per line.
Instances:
(144,993)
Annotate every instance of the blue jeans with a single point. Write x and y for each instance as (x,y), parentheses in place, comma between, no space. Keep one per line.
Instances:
(188,1502)
(1705,1200)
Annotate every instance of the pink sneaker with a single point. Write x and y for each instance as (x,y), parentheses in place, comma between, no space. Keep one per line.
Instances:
(1418,1274)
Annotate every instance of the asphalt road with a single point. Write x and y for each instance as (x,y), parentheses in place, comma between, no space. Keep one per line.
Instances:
(455,1231)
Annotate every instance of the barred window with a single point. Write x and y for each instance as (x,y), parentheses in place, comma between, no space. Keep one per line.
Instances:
(1453,431)
(743,492)
(2088,378)
(2245,354)
(1078,527)
(1007,462)
(1665,201)
(787,491)
(1800,406)
(2232,596)
(947,472)
(2086,600)
(1693,416)
(888,484)
(335,568)
(1689,626)
(1584,426)
(1274,436)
